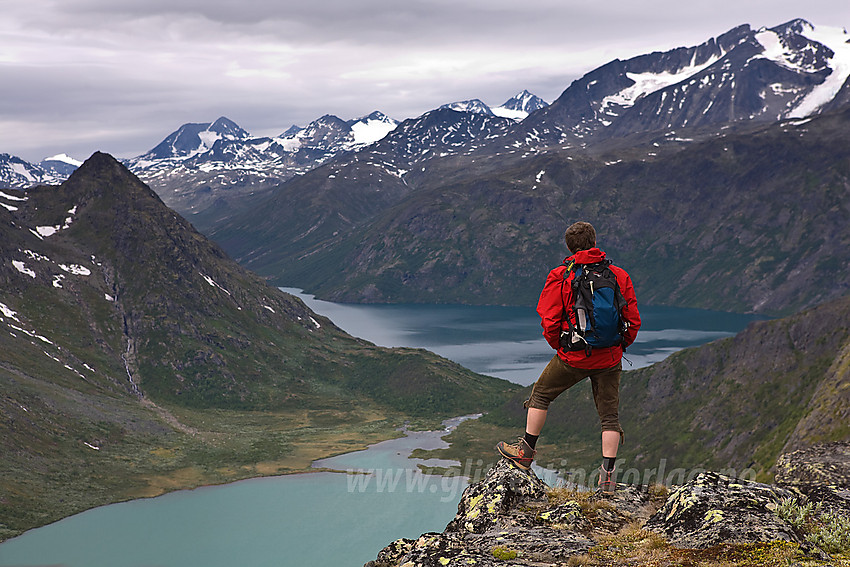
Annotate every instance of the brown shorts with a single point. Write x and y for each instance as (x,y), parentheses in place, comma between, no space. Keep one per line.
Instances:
(558,376)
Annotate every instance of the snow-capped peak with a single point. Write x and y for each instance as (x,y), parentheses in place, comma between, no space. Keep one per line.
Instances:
(520,106)
(370,129)
(192,139)
(474,105)
(228,129)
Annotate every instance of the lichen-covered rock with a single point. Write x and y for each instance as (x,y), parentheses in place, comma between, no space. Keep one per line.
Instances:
(510,518)
(430,550)
(714,509)
(827,464)
(567,516)
(504,516)
(485,502)
(611,512)
(453,549)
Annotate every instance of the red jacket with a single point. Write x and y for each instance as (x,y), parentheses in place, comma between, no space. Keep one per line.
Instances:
(557,293)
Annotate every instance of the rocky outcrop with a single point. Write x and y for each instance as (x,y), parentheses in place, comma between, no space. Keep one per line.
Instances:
(822,465)
(819,475)
(485,503)
(511,515)
(714,509)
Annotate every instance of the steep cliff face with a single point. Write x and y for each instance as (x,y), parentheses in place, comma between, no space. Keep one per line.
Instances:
(511,516)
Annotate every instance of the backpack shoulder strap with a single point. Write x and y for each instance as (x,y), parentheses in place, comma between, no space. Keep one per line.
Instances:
(569,265)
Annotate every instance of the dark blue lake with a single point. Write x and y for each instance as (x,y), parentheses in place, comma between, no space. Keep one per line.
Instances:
(507,341)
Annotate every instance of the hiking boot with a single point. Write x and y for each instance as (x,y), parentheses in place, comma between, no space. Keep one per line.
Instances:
(607,480)
(520,453)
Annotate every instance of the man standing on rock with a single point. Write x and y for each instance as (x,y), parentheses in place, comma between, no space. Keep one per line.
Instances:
(576,359)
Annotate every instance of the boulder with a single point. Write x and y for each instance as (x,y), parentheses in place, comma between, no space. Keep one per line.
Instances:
(508,516)
(819,475)
(827,464)
(484,503)
(715,509)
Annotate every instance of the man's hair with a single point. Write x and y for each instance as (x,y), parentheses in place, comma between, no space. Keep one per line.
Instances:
(580,236)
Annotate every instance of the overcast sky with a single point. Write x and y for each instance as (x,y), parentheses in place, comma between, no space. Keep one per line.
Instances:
(118,76)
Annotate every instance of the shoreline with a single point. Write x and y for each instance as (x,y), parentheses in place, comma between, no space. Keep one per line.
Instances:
(402,433)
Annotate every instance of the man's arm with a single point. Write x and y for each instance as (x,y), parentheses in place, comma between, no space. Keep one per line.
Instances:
(550,307)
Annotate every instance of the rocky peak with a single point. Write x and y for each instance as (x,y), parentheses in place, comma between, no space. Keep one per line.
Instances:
(474,105)
(512,515)
(192,139)
(228,129)
(520,106)
(792,70)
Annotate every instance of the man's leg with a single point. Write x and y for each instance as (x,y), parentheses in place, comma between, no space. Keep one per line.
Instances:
(534,420)
(606,395)
(554,379)
(610,444)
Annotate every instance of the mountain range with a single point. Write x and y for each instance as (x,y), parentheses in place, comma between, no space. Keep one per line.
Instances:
(463,205)
(15,172)
(203,165)
(793,70)
(708,209)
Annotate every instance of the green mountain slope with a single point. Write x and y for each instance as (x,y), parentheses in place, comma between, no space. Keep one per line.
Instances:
(740,220)
(136,357)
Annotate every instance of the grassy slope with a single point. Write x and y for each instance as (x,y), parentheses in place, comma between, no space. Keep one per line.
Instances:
(239,379)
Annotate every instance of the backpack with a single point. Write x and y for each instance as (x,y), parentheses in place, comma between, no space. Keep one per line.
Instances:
(594,318)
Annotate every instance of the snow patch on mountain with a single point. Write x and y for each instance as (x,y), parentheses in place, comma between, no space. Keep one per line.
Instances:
(213,283)
(208,139)
(837,40)
(508,113)
(8,313)
(47,231)
(75,269)
(776,50)
(648,83)
(12,197)
(21,267)
(370,129)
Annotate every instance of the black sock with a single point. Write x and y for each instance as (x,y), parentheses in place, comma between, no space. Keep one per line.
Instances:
(531,439)
(608,463)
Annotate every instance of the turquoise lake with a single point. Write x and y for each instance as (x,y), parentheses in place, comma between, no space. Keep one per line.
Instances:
(338,519)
